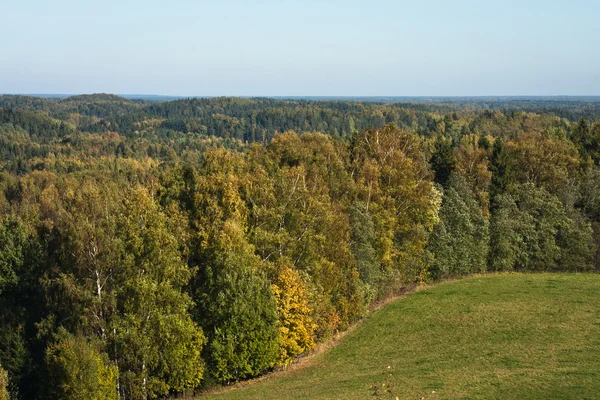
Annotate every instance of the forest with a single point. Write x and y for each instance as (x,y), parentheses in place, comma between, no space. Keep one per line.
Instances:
(155,248)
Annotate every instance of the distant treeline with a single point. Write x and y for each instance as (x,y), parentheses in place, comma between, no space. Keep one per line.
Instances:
(258,119)
(150,249)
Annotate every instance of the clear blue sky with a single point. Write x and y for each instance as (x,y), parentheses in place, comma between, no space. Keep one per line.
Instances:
(301,47)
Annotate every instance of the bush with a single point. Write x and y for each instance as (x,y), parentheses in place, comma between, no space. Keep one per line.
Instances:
(79,371)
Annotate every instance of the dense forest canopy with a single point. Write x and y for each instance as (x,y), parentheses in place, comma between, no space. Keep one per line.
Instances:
(150,248)
(257,119)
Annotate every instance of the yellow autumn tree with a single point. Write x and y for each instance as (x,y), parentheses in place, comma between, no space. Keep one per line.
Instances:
(471,162)
(296,327)
(394,181)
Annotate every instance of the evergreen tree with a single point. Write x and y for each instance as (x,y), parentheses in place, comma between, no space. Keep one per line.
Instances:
(363,245)
(583,139)
(442,161)
(236,309)
(22,305)
(460,242)
(532,230)
(499,168)
(13,239)
(234,303)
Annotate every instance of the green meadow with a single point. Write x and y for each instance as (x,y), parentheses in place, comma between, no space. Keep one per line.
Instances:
(513,336)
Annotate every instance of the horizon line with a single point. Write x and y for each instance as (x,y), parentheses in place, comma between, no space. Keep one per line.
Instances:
(303,96)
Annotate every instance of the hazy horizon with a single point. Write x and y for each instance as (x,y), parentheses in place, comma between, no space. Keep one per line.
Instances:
(324,96)
(275,48)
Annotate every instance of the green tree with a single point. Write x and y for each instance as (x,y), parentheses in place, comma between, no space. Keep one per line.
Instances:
(583,138)
(589,189)
(471,161)
(394,181)
(120,277)
(13,239)
(22,305)
(364,248)
(296,191)
(236,308)
(157,346)
(234,303)
(78,370)
(500,169)
(460,242)
(442,161)
(548,163)
(532,230)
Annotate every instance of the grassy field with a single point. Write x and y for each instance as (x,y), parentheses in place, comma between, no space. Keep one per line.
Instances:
(517,336)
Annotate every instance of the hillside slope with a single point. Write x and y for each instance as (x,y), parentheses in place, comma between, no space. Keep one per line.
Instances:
(517,336)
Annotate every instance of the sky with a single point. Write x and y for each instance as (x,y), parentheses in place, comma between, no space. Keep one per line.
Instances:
(301,47)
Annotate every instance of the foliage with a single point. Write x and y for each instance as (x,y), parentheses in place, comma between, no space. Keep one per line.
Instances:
(13,239)
(364,247)
(237,310)
(122,281)
(394,181)
(198,241)
(296,328)
(442,162)
(311,227)
(500,169)
(532,231)
(234,303)
(157,344)
(460,242)
(79,371)
(547,162)
(3,384)
(472,165)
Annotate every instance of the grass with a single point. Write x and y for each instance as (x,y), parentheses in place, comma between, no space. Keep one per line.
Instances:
(514,336)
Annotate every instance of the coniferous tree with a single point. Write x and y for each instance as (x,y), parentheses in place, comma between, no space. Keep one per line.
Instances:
(22,305)
(583,138)
(532,230)
(442,162)
(236,309)
(499,168)
(13,239)
(234,303)
(460,242)
(364,243)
